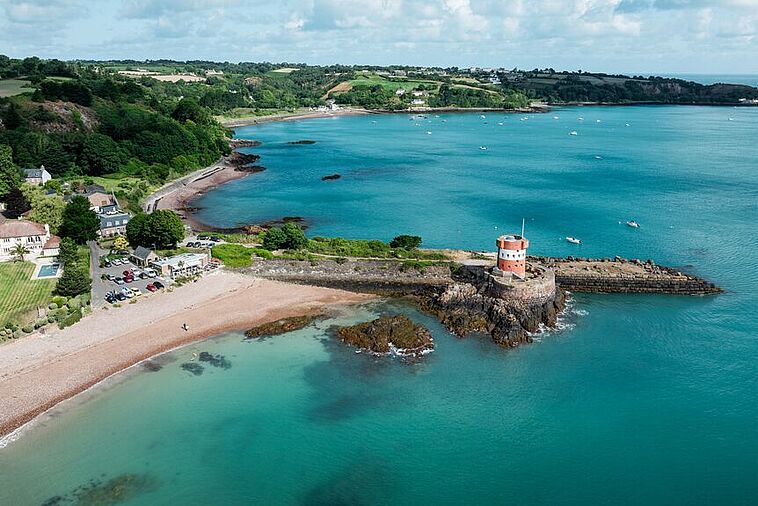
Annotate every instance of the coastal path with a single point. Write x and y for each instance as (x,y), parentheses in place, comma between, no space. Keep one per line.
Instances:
(151,201)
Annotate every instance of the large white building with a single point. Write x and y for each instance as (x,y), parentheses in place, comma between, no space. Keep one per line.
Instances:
(34,236)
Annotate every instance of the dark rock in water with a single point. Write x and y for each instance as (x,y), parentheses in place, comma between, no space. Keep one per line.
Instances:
(97,492)
(306,141)
(151,366)
(332,177)
(214,360)
(193,368)
(281,326)
(252,169)
(388,333)
(243,143)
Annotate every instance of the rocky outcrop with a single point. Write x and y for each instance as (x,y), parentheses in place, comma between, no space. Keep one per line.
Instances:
(305,141)
(388,334)
(281,326)
(252,169)
(464,308)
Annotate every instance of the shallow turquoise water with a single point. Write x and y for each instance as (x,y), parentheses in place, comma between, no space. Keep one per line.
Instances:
(639,400)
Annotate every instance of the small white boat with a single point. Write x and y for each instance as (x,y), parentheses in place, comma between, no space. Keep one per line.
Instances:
(555,117)
(580,118)
(632,224)
(483,116)
(597,121)
(573,132)
(598,157)
(628,124)
(501,123)
(483,148)
(731,119)
(574,240)
(428,133)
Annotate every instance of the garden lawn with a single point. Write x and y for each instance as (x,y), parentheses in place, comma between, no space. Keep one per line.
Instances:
(20,295)
(10,87)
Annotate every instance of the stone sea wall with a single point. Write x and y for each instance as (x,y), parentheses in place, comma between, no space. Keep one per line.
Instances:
(619,275)
(389,277)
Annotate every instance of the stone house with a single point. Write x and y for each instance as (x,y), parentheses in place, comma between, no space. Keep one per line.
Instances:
(35,236)
(37,176)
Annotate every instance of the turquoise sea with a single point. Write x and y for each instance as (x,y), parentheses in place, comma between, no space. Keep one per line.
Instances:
(635,400)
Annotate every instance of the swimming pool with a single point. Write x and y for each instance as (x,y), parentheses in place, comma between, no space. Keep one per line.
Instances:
(48,271)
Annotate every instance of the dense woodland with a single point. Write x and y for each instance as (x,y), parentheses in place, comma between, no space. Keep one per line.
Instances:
(85,119)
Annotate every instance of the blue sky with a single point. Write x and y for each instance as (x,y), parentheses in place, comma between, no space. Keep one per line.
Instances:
(660,36)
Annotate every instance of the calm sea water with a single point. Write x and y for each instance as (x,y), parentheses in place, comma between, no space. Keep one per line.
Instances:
(637,400)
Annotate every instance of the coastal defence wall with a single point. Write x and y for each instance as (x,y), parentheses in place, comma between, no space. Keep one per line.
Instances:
(619,275)
(390,277)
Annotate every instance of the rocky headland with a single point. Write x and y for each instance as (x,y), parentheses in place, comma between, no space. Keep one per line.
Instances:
(388,334)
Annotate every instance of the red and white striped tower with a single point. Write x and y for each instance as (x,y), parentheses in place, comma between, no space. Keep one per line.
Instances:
(511,254)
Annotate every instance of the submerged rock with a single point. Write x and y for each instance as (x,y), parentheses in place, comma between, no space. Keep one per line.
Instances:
(152,366)
(331,177)
(97,492)
(396,334)
(305,141)
(281,326)
(193,368)
(214,360)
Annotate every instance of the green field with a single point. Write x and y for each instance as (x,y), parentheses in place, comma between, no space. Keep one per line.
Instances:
(19,294)
(394,85)
(11,87)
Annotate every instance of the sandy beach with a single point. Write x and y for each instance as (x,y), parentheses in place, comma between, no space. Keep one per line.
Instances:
(39,371)
(294,116)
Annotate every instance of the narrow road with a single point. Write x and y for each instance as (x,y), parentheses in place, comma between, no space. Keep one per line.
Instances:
(98,285)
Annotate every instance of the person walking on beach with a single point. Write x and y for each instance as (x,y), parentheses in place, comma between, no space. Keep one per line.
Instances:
(185,327)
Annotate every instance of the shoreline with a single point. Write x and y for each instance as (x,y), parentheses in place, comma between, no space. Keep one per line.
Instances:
(294,116)
(41,371)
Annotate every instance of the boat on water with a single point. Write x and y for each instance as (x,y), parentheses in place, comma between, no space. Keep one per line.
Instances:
(574,240)
(633,224)
(573,132)
(483,148)
(555,117)
(482,116)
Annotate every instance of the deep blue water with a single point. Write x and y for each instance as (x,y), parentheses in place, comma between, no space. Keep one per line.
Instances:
(637,400)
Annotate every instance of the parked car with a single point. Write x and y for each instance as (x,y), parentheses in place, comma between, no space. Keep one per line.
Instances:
(215,238)
(127,272)
(120,296)
(136,291)
(127,292)
(116,261)
(158,285)
(118,281)
(107,264)
(150,287)
(150,273)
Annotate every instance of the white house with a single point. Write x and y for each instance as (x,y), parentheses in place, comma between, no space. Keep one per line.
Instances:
(184,264)
(37,176)
(35,236)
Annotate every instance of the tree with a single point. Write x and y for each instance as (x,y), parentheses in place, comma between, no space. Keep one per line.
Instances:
(406,242)
(10,176)
(189,110)
(19,250)
(290,236)
(295,237)
(68,251)
(120,243)
(74,281)
(79,222)
(274,239)
(44,208)
(161,229)
(16,203)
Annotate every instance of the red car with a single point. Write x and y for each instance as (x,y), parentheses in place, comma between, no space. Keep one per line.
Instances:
(151,287)
(127,272)
(128,279)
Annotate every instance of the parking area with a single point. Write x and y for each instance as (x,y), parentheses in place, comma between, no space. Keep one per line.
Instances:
(125,278)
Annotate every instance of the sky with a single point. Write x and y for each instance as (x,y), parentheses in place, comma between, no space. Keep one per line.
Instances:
(625,36)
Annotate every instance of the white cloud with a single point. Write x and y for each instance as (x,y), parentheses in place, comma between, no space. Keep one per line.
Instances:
(610,35)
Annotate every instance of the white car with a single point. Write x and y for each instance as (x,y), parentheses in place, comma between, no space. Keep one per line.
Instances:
(136,291)
(150,273)
(127,292)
